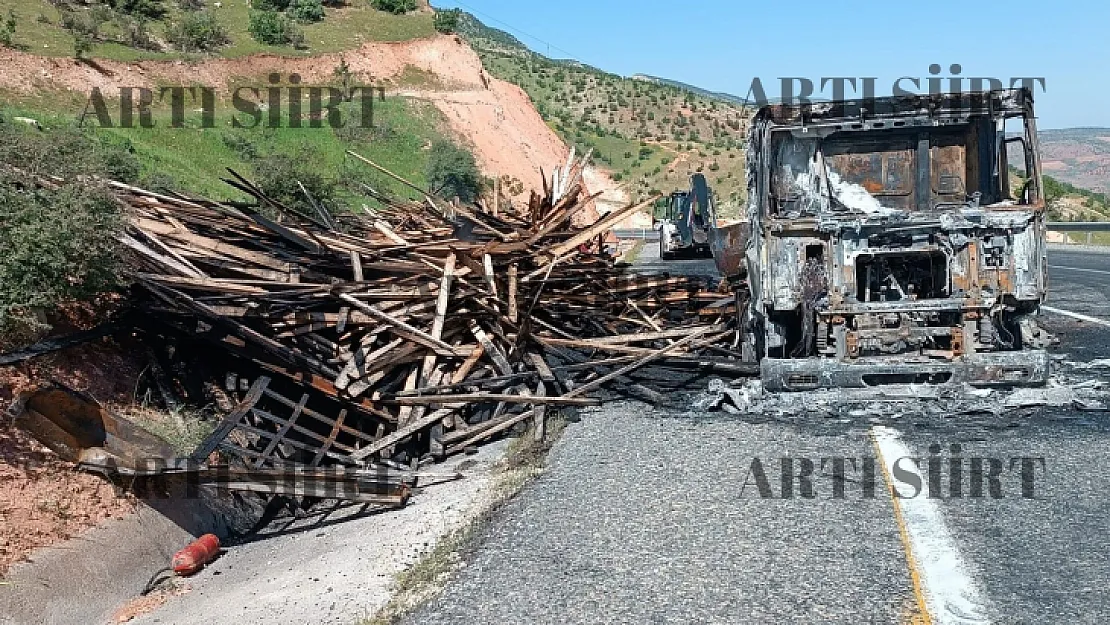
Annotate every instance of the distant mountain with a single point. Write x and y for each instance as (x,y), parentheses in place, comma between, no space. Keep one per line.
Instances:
(1080,156)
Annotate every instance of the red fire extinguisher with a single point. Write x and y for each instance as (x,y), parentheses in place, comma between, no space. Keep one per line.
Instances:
(193,557)
(187,561)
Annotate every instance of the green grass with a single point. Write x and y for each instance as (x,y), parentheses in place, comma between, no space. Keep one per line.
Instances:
(342,29)
(195,158)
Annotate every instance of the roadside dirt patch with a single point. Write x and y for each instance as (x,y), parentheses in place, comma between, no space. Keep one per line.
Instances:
(497,118)
(443,55)
(44,500)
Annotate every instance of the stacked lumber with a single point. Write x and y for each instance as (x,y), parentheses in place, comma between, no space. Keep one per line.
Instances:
(415,330)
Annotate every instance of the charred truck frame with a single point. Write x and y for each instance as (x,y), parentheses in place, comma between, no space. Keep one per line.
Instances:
(887,246)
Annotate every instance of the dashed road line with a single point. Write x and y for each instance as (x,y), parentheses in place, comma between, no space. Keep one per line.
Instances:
(1075,315)
(945,590)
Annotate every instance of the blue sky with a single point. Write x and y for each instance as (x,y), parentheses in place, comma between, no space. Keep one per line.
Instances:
(723,45)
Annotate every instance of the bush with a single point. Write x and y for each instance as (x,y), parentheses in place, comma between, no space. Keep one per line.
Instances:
(447,21)
(197,32)
(137,35)
(58,244)
(241,145)
(276,6)
(306,11)
(278,175)
(7,30)
(143,8)
(275,29)
(84,26)
(452,172)
(66,153)
(395,7)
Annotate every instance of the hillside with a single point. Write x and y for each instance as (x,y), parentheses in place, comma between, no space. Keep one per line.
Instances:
(140,29)
(1080,156)
(436,89)
(718,95)
(651,135)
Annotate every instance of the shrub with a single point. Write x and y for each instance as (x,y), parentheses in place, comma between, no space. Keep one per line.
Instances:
(152,9)
(197,32)
(270,5)
(447,21)
(278,175)
(66,153)
(84,23)
(275,29)
(306,11)
(59,244)
(7,30)
(452,172)
(395,7)
(240,144)
(137,35)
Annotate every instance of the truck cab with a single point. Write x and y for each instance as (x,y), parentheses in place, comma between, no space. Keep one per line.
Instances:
(896,240)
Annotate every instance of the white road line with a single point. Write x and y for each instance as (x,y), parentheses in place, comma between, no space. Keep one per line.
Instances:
(1079,269)
(1074,315)
(950,594)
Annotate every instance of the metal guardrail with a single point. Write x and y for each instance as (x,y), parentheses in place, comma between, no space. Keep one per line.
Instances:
(638,233)
(1079,226)
(1088,227)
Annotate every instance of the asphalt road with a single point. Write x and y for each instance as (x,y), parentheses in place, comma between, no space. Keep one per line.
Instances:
(655,516)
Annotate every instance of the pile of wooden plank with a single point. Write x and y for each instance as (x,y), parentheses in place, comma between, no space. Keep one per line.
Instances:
(414,331)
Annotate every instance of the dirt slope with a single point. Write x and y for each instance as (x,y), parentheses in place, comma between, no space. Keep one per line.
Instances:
(498,119)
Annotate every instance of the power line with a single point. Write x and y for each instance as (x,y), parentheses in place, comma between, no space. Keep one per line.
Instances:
(550,46)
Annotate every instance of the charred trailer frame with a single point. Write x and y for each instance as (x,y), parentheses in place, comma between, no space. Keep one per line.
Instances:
(888,247)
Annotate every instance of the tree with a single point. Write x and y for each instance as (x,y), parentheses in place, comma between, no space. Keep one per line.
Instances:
(447,21)
(452,172)
(279,175)
(342,72)
(59,243)
(275,29)
(197,32)
(306,11)
(396,7)
(152,9)
(7,30)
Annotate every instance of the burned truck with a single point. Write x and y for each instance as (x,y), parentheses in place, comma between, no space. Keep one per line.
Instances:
(892,240)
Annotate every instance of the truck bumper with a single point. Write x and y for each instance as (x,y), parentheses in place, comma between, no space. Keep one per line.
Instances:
(1024,368)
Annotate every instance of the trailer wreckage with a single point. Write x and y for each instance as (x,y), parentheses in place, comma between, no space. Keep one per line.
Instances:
(885,245)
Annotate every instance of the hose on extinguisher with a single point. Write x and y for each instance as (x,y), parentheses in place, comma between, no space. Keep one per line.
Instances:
(187,561)
(157,579)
